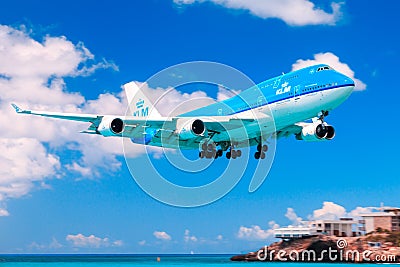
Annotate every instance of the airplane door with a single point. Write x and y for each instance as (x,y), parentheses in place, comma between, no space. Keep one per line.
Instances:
(296,93)
(260,102)
(296,99)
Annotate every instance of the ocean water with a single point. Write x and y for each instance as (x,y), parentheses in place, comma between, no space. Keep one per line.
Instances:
(140,260)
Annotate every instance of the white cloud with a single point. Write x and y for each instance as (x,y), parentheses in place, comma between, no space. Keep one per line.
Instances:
(256,233)
(4,212)
(52,245)
(32,73)
(189,238)
(329,211)
(24,162)
(23,56)
(36,246)
(117,243)
(83,171)
(356,213)
(333,61)
(292,216)
(92,241)
(292,12)
(162,235)
(142,242)
(225,93)
(220,237)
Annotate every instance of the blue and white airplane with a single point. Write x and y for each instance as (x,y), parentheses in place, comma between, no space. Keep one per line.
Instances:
(277,107)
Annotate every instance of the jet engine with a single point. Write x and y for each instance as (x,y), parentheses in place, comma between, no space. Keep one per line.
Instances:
(110,126)
(316,132)
(190,128)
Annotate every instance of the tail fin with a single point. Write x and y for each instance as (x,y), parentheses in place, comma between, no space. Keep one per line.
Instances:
(139,104)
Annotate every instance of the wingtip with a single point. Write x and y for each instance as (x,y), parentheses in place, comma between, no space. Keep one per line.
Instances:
(17,109)
(20,110)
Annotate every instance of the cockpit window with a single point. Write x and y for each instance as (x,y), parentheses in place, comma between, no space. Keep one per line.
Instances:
(324,68)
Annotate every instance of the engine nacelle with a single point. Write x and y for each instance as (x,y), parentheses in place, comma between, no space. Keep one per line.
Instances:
(110,126)
(190,128)
(312,132)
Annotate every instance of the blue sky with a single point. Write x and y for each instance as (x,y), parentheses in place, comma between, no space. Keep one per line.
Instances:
(61,192)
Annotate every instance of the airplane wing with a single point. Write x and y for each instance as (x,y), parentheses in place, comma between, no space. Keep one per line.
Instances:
(289,130)
(136,127)
(65,116)
(131,123)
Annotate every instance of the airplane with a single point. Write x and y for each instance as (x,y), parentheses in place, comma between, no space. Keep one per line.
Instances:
(294,103)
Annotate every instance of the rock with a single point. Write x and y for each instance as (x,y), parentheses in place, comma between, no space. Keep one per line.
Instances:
(324,249)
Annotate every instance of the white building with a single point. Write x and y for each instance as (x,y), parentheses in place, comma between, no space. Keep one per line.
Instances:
(342,227)
(291,232)
(386,219)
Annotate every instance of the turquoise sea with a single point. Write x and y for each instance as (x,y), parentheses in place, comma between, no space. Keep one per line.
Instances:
(137,260)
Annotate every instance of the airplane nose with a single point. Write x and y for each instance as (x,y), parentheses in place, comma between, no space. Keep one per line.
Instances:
(349,81)
(349,84)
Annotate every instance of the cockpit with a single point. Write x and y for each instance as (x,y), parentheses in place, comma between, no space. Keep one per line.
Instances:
(324,68)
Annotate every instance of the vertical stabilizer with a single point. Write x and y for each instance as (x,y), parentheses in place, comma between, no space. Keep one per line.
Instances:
(139,104)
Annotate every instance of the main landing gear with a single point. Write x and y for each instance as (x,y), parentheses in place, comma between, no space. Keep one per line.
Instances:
(261,150)
(233,153)
(209,151)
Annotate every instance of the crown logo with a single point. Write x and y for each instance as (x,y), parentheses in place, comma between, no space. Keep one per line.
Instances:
(140,103)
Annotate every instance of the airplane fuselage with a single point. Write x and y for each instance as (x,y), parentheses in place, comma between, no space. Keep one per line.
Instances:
(288,99)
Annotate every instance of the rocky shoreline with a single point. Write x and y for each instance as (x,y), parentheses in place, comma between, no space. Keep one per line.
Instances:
(322,248)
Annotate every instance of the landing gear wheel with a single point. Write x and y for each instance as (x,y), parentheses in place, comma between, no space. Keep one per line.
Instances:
(216,155)
(264,148)
(257,155)
(233,154)
(262,156)
(228,155)
(204,146)
(210,147)
(238,153)
(259,147)
(201,154)
(219,153)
